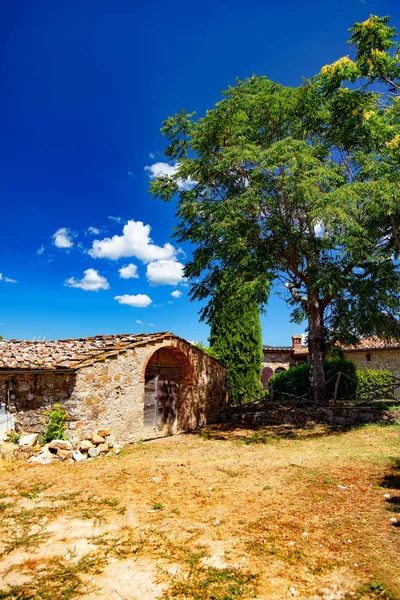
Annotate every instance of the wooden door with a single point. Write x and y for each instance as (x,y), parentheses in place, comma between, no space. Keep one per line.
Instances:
(150,392)
(167,395)
(161,395)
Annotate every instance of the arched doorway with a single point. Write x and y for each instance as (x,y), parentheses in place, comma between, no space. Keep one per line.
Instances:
(163,378)
(280,370)
(266,374)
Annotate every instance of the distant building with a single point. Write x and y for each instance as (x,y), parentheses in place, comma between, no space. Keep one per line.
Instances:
(371,353)
(277,359)
(374,353)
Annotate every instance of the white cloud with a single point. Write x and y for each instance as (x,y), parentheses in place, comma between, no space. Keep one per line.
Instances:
(140,300)
(7,279)
(138,321)
(134,241)
(128,272)
(63,238)
(165,272)
(116,219)
(41,250)
(93,230)
(91,282)
(176,294)
(151,324)
(160,169)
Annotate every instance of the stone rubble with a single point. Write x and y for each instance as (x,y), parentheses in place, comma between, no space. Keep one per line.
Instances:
(28,440)
(28,448)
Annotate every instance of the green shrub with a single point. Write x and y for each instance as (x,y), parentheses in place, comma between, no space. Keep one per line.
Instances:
(13,436)
(296,380)
(348,380)
(55,426)
(353,384)
(374,384)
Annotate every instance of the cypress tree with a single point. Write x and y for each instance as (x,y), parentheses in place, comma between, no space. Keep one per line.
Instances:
(236,340)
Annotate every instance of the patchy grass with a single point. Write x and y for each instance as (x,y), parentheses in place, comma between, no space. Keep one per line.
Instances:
(275,512)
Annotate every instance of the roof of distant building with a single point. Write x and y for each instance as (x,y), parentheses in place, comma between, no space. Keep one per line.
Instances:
(373,343)
(272,348)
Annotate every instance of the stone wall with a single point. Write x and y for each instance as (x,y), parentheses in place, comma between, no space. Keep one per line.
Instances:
(378,359)
(110,394)
(276,360)
(28,395)
(338,416)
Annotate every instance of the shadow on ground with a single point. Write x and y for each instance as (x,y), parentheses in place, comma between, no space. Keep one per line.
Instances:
(391,481)
(265,434)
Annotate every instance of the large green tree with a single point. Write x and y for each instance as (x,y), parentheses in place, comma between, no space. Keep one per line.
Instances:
(299,188)
(236,339)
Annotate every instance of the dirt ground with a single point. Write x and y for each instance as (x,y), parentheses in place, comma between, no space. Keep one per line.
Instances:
(273,513)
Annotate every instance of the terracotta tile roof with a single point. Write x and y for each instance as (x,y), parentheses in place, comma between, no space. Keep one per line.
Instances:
(301,350)
(373,343)
(69,354)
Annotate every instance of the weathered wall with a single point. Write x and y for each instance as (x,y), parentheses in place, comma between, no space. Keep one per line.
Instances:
(379,359)
(276,360)
(110,394)
(28,396)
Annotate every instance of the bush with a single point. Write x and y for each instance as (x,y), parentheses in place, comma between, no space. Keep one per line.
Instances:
(347,387)
(295,381)
(374,385)
(353,384)
(55,426)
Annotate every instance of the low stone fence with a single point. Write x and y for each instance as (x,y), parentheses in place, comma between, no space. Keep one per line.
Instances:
(344,416)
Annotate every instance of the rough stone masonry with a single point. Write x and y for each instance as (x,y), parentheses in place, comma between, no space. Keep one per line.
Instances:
(102,382)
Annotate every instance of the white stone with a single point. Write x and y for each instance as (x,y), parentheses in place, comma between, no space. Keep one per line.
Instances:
(78,456)
(43,458)
(92,452)
(29,439)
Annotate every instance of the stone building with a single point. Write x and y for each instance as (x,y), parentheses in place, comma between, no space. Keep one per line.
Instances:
(371,353)
(374,353)
(139,386)
(277,359)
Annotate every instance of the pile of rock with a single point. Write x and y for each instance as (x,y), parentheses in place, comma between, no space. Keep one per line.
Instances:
(29,448)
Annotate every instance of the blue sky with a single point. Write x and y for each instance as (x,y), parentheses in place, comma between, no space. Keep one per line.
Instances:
(85,87)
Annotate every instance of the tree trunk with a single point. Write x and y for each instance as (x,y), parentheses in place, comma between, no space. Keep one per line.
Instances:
(316,346)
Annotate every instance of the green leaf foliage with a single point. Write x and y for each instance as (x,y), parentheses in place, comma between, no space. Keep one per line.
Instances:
(298,187)
(55,425)
(374,384)
(236,340)
(354,384)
